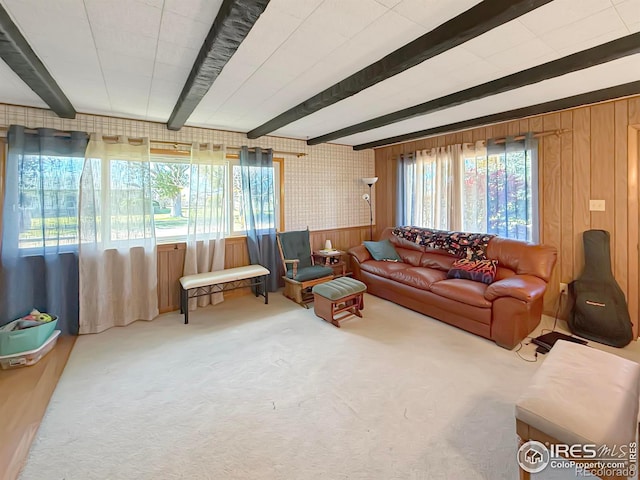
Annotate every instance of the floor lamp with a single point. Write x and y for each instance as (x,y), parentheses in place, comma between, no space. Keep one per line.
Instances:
(367,197)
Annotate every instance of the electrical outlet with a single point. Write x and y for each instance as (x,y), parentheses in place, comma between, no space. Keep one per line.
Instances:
(564,289)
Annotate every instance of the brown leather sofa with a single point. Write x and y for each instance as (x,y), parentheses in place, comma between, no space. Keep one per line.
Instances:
(505,311)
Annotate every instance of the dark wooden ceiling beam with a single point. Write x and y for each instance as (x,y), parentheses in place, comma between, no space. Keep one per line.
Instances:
(18,54)
(604,53)
(479,19)
(231,26)
(624,90)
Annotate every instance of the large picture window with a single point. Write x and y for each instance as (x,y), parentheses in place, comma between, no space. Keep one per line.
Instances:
(170,180)
(484,188)
(48,198)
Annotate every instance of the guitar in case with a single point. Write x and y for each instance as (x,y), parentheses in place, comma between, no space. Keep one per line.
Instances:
(600,310)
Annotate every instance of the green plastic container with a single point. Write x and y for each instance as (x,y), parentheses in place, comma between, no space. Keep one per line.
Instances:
(27,339)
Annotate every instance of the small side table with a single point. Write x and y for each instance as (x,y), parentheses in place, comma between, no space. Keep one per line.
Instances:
(333,259)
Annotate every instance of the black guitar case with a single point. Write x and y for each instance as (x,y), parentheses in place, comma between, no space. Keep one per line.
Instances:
(600,310)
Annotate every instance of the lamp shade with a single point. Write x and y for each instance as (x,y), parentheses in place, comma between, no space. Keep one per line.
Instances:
(369,180)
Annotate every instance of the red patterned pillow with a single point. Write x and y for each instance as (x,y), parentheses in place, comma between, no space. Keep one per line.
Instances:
(477,270)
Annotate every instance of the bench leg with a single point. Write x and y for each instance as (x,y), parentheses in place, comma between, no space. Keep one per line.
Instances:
(184,304)
(264,290)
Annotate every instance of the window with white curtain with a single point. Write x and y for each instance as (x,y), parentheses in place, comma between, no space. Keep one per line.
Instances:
(48,200)
(238,226)
(50,184)
(170,188)
(483,187)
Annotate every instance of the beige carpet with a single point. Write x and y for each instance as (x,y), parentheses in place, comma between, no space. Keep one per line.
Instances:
(253,391)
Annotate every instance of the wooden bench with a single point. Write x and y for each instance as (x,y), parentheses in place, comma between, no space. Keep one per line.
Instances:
(200,284)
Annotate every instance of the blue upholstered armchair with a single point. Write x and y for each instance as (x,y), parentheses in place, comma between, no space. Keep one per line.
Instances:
(300,272)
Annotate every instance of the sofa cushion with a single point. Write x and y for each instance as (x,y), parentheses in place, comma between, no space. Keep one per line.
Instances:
(502,273)
(523,258)
(477,270)
(382,268)
(412,257)
(418,277)
(382,250)
(465,291)
(437,261)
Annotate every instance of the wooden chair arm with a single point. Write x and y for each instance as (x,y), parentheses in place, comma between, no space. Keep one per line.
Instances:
(295,262)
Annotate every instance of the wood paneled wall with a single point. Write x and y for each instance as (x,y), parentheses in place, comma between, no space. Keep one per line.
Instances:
(171,260)
(595,158)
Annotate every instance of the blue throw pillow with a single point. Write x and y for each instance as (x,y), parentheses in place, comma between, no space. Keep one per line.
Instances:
(383,250)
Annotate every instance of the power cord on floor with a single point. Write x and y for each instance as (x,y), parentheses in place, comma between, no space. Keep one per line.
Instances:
(555,320)
(517,351)
(543,331)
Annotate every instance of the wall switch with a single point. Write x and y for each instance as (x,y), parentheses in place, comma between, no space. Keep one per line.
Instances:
(596,205)
(564,289)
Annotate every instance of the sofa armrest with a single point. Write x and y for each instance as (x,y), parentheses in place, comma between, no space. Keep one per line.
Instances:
(522,287)
(360,253)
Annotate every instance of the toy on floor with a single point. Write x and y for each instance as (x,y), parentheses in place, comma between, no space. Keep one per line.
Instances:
(34,319)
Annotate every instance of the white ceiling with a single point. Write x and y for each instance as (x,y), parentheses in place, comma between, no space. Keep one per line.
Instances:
(130,58)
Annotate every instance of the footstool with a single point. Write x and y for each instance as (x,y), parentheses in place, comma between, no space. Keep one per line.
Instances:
(578,396)
(342,295)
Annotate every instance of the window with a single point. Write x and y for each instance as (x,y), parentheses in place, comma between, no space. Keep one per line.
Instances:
(499,190)
(473,188)
(48,200)
(270,203)
(170,192)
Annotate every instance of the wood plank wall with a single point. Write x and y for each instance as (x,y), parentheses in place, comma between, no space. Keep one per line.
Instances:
(171,260)
(596,158)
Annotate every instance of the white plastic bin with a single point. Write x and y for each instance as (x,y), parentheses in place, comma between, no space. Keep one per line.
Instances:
(30,357)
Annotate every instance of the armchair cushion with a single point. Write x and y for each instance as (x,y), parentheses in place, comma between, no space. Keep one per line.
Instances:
(310,273)
(296,245)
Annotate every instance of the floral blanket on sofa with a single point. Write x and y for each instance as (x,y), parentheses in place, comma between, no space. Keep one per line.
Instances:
(472,246)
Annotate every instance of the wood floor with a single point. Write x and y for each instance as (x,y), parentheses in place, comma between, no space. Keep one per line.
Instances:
(24,396)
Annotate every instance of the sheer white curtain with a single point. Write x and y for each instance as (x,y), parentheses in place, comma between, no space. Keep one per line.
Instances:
(118,272)
(432,189)
(474,195)
(208,176)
